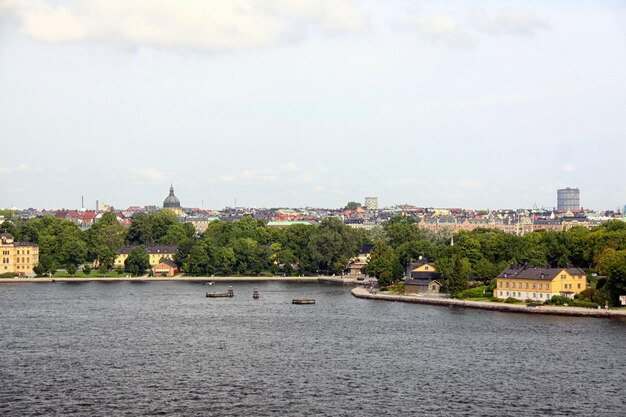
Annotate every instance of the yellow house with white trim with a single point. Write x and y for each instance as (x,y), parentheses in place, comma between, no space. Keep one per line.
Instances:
(539,284)
(156,253)
(17,257)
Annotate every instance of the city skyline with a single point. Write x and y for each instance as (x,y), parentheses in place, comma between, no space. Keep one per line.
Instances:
(312,103)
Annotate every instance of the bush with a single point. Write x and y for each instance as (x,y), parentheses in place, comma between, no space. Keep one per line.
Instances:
(512,300)
(584,303)
(8,275)
(497,300)
(559,300)
(86,269)
(71,269)
(476,292)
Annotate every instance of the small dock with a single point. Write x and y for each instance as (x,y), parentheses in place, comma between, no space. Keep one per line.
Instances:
(303,301)
(229,293)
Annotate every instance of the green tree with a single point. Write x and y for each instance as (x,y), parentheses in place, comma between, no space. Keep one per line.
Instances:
(384,264)
(352,205)
(71,269)
(105,239)
(333,245)
(459,275)
(137,261)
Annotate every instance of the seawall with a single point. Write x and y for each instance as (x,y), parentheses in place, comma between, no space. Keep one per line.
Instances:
(486,305)
(160,279)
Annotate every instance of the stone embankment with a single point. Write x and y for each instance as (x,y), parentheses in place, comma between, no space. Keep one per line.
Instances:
(177,278)
(487,305)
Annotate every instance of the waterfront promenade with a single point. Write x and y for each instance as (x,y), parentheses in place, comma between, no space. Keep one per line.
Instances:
(328,279)
(489,305)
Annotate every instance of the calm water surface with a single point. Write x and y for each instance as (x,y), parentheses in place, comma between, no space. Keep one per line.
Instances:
(107,349)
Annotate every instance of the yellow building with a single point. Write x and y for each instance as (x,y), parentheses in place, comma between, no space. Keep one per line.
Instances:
(539,284)
(17,257)
(156,253)
(422,277)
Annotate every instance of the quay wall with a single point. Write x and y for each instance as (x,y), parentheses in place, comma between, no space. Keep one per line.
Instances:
(486,305)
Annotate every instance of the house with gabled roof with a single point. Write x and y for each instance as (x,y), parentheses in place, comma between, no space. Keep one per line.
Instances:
(539,283)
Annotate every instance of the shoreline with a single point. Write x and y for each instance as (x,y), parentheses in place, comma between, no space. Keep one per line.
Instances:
(319,279)
(486,305)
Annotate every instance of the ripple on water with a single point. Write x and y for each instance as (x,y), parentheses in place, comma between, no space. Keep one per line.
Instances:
(165,349)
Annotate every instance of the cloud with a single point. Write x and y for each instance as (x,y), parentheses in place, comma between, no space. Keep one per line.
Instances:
(461,30)
(510,21)
(469,183)
(289,167)
(568,168)
(149,174)
(14,169)
(439,28)
(211,25)
(266,175)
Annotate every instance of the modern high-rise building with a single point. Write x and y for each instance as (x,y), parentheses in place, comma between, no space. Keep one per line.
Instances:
(371,203)
(568,199)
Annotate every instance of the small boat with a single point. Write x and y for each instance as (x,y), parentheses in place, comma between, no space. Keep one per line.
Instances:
(303,301)
(209,283)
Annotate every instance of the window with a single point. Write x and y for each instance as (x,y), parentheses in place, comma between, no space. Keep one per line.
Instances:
(506,285)
(526,285)
(512,285)
(540,286)
(562,276)
(426,268)
(534,285)
(547,286)
(578,286)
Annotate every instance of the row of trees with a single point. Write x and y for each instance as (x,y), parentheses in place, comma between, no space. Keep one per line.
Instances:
(248,246)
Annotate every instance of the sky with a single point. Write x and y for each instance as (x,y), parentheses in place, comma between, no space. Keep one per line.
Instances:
(295,103)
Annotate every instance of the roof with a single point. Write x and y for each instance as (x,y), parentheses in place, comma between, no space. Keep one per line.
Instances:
(425,275)
(26,244)
(420,282)
(171,201)
(168,263)
(535,272)
(5,234)
(152,249)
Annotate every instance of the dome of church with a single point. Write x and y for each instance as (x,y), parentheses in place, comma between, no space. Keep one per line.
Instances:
(171,201)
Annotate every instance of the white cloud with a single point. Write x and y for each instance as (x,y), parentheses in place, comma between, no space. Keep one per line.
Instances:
(510,21)
(289,167)
(14,169)
(439,28)
(211,25)
(460,30)
(568,168)
(149,174)
(266,175)
(469,183)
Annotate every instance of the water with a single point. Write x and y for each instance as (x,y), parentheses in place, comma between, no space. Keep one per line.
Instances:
(99,349)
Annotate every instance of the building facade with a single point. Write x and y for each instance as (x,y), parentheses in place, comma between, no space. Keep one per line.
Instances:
(371,203)
(422,277)
(539,284)
(156,253)
(17,257)
(568,199)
